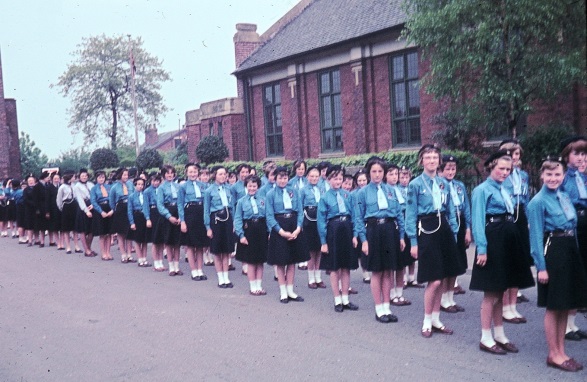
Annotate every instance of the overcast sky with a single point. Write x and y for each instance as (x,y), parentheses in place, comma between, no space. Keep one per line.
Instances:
(192,37)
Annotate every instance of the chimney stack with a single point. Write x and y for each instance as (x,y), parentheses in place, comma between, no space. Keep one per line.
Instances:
(246,40)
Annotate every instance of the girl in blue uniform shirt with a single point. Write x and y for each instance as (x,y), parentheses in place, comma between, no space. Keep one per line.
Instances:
(250,227)
(204,178)
(397,277)
(191,215)
(218,219)
(299,181)
(101,214)
(168,227)
(150,195)
(3,209)
(380,225)
(562,281)
(360,180)
(310,195)
(118,197)
(432,227)
(574,153)
(139,220)
(405,176)
(285,218)
(518,186)
(460,201)
(499,260)
(237,191)
(337,238)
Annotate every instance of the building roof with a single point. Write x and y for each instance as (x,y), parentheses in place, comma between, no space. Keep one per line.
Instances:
(325,23)
(163,138)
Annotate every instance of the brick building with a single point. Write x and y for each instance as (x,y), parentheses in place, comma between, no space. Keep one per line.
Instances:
(9,143)
(166,141)
(334,78)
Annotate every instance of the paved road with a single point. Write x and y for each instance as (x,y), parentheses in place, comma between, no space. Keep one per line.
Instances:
(70,318)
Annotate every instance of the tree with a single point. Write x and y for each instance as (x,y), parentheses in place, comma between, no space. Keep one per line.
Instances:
(99,80)
(32,160)
(127,155)
(149,158)
(103,158)
(494,58)
(73,159)
(179,156)
(211,149)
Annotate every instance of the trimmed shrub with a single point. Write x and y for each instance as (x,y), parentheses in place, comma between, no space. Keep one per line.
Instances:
(148,159)
(103,158)
(211,149)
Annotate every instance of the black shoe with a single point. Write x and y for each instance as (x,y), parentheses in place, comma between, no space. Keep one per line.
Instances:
(229,285)
(392,318)
(383,319)
(350,306)
(338,308)
(231,267)
(573,336)
(284,300)
(203,277)
(366,280)
(223,286)
(582,334)
(520,299)
(297,298)
(196,278)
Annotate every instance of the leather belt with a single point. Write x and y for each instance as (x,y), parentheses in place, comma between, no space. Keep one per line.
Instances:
(254,220)
(499,218)
(561,233)
(191,204)
(581,212)
(341,218)
(287,215)
(379,220)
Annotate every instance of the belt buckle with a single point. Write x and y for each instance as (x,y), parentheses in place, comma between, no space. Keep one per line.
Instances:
(491,219)
(381,221)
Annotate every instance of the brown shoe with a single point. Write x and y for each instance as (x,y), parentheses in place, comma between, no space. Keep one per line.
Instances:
(567,365)
(426,333)
(514,320)
(449,309)
(508,346)
(321,284)
(459,290)
(353,291)
(312,286)
(493,349)
(443,330)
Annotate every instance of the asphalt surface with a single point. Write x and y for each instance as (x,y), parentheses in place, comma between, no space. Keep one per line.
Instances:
(71,318)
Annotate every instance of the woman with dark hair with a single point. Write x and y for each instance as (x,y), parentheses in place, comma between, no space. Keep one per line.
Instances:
(101,214)
(284,221)
(298,180)
(310,195)
(380,225)
(360,179)
(83,222)
(500,262)
(574,154)
(55,237)
(251,228)
(191,215)
(432,227)
(337,238)
(218,215)
(150,195)
(562,280)
(118,198)
(169,225)
(68,207)
(139,220)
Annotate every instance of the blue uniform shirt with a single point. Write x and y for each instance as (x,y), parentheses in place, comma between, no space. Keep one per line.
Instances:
(274,206)
(96,197)
(134,204)
(465,206)
(165,196)
(150,194)
(116,194)
(519,197)
(237,190)
(420,202)
(366,206)
(570,187)
(187,194)
(328,209)
(545,214)
(244,211)
(265,189)
(487,200)
(213,202)
(308,197)
(295,182)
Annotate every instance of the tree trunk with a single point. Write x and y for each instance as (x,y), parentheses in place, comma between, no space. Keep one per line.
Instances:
(114,130)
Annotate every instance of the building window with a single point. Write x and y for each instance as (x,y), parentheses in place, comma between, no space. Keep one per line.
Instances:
(176,142)
(211,126)
(273,123)
(330,111)
(220,129)
(405,99)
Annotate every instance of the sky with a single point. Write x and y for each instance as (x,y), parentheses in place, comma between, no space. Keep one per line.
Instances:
(192,37)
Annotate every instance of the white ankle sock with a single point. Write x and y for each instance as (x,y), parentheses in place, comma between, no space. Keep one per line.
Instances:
(258,284)
(386,309)
(225,276)
(311,277)
(499,335)
(318,275)
(195,273)
(392,294)
(427,323)
(290,291)
(571,326)
(379,310)
(220,278)
(487,338)
(345,299)
(337,300)
(283,291)
(436,319)
(176,265)
(399,291)
(444,300)
(507,312)
(253,285)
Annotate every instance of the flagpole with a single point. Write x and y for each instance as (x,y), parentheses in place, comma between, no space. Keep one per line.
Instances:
(133,96)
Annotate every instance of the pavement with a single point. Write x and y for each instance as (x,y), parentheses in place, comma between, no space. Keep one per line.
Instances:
(72,318)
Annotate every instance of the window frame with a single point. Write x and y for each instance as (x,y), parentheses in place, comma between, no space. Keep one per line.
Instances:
(273,130)
(407,82)
(332,94)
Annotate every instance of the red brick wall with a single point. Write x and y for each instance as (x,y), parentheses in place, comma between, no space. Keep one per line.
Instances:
(12,139)
(234,134)
(569,109)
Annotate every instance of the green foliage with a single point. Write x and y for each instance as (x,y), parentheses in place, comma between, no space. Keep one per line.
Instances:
(149,158)
(211,149)
(127,155)
(178,156)
(103,158)
(32,160)
(99,83)
(73,159)
(492,59)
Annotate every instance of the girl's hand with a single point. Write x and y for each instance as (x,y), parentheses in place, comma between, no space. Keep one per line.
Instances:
(209,233)
(133,227)
(543,277)
(244,241)
(365,248)
(402,244)
(324,248)
(413,251)
(482,259)
(149,224)
(184,227)
(468,237)
(355,242)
